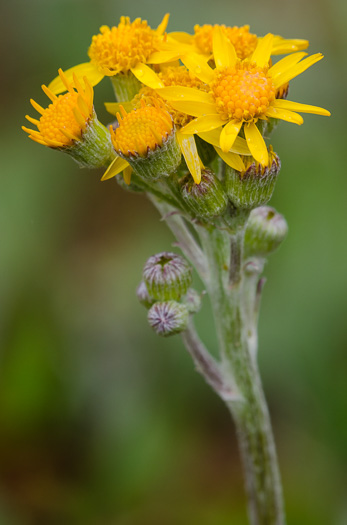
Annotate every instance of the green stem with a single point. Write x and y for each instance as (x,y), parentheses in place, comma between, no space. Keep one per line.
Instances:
(186,241)
(250,413)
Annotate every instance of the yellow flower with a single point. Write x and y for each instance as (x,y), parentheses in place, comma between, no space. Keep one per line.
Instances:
(125,48)
(63,122)
(243,41)
(180,76)
(144,130)
(241,92)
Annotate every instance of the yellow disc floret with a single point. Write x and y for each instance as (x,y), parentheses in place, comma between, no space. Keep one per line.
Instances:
(59,116)
(65,119)
(243,41)
(118,49)
(243,92)
(141,130)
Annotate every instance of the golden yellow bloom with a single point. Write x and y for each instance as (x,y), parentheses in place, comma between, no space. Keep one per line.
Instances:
(125,48)
(243,41)
(145,129)
(62,123)
(180,76)
(241,92)
(142,130)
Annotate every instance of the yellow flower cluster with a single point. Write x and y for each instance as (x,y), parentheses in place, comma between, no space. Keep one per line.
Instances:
(219,83)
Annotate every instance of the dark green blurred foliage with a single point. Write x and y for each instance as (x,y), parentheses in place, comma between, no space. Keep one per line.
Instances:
(101,422)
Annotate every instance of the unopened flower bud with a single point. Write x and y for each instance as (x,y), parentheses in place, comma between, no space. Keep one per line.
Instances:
(254,186)
(192,300)
(167,276)
(168,318)
(207,199)
(266,229)
(146,139)
(143,295)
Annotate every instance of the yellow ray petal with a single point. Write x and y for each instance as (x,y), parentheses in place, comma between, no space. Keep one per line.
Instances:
(212,137)
(296,70)
(37,106)
(127,174)
(185,93)
(205,123)
(161,57)
(302,108)
(182,37)
(147,76)
(30,131)
(116,166)
(198,66)
(284,114)
(86,69)
(232,159)
(68,135)
(32,120)
(163,24)
(190,154)
(38,140)
(196,109)
(48,92)
(229,134)
(262,52)
(285,63)
(282,46)
(223,51)
(256,143)
(114,107)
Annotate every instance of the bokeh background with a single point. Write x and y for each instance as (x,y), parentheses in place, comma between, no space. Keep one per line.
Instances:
(101,422)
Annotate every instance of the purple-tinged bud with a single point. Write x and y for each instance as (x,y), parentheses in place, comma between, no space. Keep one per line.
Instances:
(167,276)
(143,295)
(266,229)
(168,318)
(254,186)
(192,300)
(207,199)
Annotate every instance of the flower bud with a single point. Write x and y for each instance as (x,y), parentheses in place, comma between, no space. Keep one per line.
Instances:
(192,300)
(266,229)
(254,186)
(167,276)
(207,199)
(143,295)
(168,318)
(146,139)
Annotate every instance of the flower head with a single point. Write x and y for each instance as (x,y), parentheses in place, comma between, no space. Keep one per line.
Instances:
(142,130)
(126,48)
(241,92)
(120,48)
(145,139)
(63,122)
(243,41)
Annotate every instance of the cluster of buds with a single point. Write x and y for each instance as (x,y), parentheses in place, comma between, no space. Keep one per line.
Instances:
(165,291)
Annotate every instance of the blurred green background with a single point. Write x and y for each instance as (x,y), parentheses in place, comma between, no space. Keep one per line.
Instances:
(101,422)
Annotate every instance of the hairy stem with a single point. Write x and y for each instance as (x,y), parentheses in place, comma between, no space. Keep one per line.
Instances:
(249,411)
(186,240)
(206,365)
